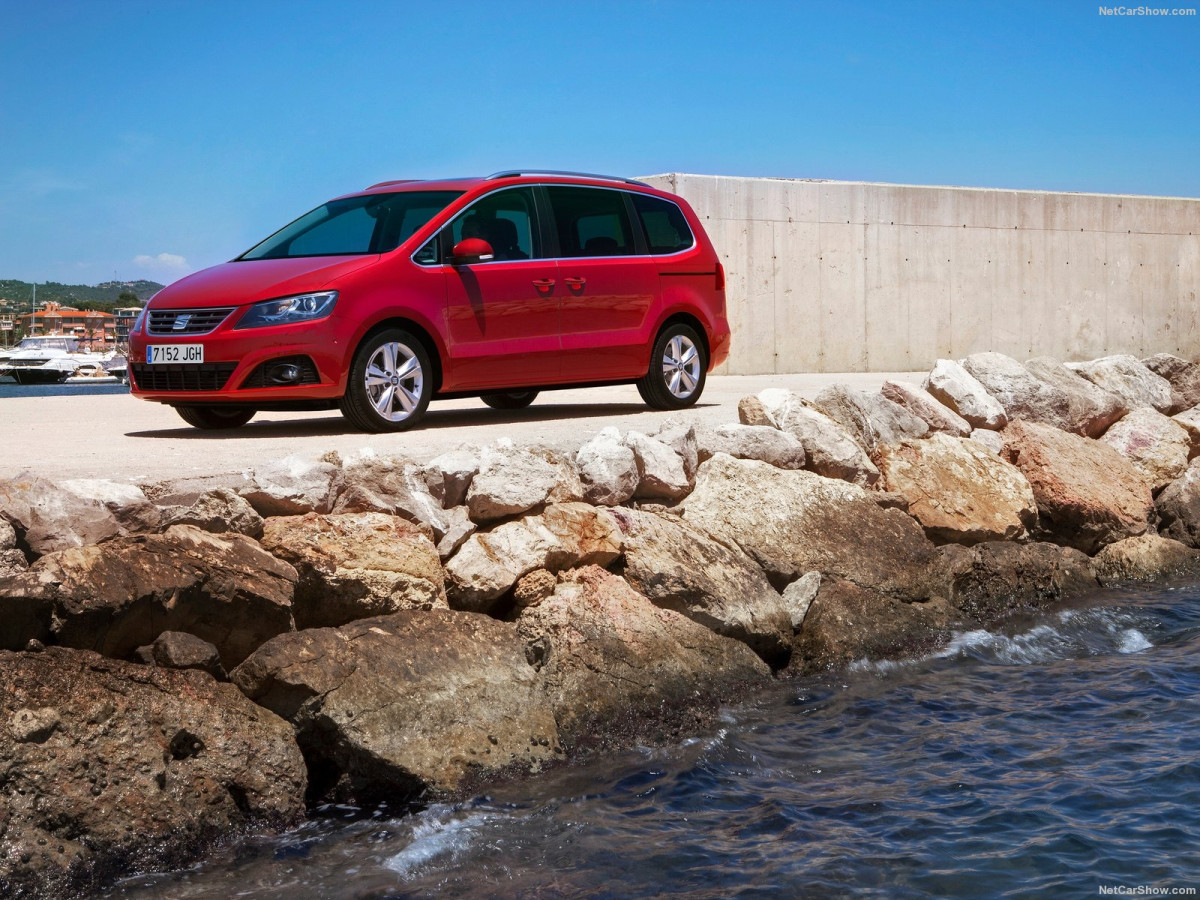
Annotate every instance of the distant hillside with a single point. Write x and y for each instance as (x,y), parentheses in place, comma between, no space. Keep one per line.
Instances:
(101,296)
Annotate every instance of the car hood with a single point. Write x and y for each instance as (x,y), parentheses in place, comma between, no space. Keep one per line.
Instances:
(237,283)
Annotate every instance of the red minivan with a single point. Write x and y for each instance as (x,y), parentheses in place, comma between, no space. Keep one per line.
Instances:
(496,287)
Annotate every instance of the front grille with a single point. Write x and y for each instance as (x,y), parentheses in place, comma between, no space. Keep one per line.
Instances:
(258,378)
(186,321)
(202,377)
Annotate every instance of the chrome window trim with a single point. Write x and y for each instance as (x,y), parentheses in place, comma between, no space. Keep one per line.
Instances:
(509,187)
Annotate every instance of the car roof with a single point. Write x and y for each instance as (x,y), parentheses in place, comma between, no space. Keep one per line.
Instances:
(502,178)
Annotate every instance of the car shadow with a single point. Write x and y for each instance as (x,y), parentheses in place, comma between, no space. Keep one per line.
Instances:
(332,423)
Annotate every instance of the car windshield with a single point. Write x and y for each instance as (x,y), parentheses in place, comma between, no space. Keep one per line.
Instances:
(354,226)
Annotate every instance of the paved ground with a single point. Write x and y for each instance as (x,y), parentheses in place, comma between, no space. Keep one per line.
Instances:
(115,436)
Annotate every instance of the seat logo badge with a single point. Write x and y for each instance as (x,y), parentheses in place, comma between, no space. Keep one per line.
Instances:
(181,322)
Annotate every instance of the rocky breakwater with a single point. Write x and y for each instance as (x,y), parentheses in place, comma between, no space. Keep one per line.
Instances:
(183,660)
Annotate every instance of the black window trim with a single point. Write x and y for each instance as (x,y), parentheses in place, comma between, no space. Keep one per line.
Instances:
(549,234)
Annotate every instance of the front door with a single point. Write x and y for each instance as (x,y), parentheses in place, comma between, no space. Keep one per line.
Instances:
(502,316)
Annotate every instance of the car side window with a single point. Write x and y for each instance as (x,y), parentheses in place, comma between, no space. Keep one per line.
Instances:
(591,222)
(506,219)
(666,227)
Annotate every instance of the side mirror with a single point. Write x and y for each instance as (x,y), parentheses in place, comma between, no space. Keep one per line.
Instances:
(472,250)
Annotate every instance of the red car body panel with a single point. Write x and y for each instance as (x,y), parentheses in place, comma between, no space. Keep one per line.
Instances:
(537,323)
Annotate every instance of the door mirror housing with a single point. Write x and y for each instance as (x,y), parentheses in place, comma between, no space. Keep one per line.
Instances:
(472,250)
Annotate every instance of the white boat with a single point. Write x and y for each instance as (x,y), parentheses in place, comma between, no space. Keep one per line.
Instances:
(47,359)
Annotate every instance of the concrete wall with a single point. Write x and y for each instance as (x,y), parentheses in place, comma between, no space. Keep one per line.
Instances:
(827,276)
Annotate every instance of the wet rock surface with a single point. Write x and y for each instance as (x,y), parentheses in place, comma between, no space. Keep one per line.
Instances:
(108,766)
(610,659)
(1148,557)
(408,705)
(712,583)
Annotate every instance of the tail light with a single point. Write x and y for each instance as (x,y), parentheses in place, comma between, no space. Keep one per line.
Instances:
(720,277)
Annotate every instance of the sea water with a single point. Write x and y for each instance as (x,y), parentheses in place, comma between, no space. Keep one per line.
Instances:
(1058,757)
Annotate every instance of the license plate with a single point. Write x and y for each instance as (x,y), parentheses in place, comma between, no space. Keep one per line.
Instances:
(174,353)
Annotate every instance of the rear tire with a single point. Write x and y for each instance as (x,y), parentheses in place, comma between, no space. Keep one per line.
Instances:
(212,418)
(678,367)
(391,381)
(510,400)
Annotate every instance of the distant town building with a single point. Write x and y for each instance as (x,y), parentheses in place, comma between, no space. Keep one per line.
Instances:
(89,326)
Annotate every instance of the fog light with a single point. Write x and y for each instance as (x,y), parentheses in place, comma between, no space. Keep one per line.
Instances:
(285,373)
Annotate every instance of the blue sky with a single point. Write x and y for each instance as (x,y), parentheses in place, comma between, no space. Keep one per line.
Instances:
(152,139)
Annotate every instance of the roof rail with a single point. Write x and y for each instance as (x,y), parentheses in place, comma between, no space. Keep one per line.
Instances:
(398,181)
(510,173)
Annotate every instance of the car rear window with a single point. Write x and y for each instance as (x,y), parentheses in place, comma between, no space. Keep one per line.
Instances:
(664,223)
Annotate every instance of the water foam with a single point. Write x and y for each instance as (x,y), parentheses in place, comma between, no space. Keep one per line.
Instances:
(439,831)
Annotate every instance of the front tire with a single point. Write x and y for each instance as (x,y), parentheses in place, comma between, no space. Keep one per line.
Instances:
(678,367)
(510,400)
(212,418)
(390,382)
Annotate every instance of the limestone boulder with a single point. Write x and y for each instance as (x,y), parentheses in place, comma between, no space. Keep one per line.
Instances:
(764,442)
(712,583)
(186,490)
(873,419)
(568,487)
(1089,409)
(1131,382)
(1156,444)
(355,565)
(1178,507)
(180,650)
(395,486)
(798,597)
(958,490)
(117,596)
(1022,394)
(953,386)
(510,481)
(293,486)
(219,510)
(565,535)
(612,663)
(608,469)
(46,518)
(920,403)
(683,439)
(990,440)
(752,411)
(1087,493)
(792,523)
(448,475)
(108,767)
(1190,420)
(829,448)
(419,704)
(990,582)
(127,502)
(1183,376)
(459,527)
(847,623)
(661,472)
(1148,557)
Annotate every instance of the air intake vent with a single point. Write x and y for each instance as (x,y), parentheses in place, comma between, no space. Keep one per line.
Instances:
(203,377)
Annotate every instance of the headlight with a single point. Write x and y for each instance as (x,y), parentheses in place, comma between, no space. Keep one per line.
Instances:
(141,318)
(286,310)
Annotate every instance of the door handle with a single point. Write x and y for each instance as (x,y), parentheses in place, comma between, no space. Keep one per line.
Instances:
(575,283)
(543,284)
